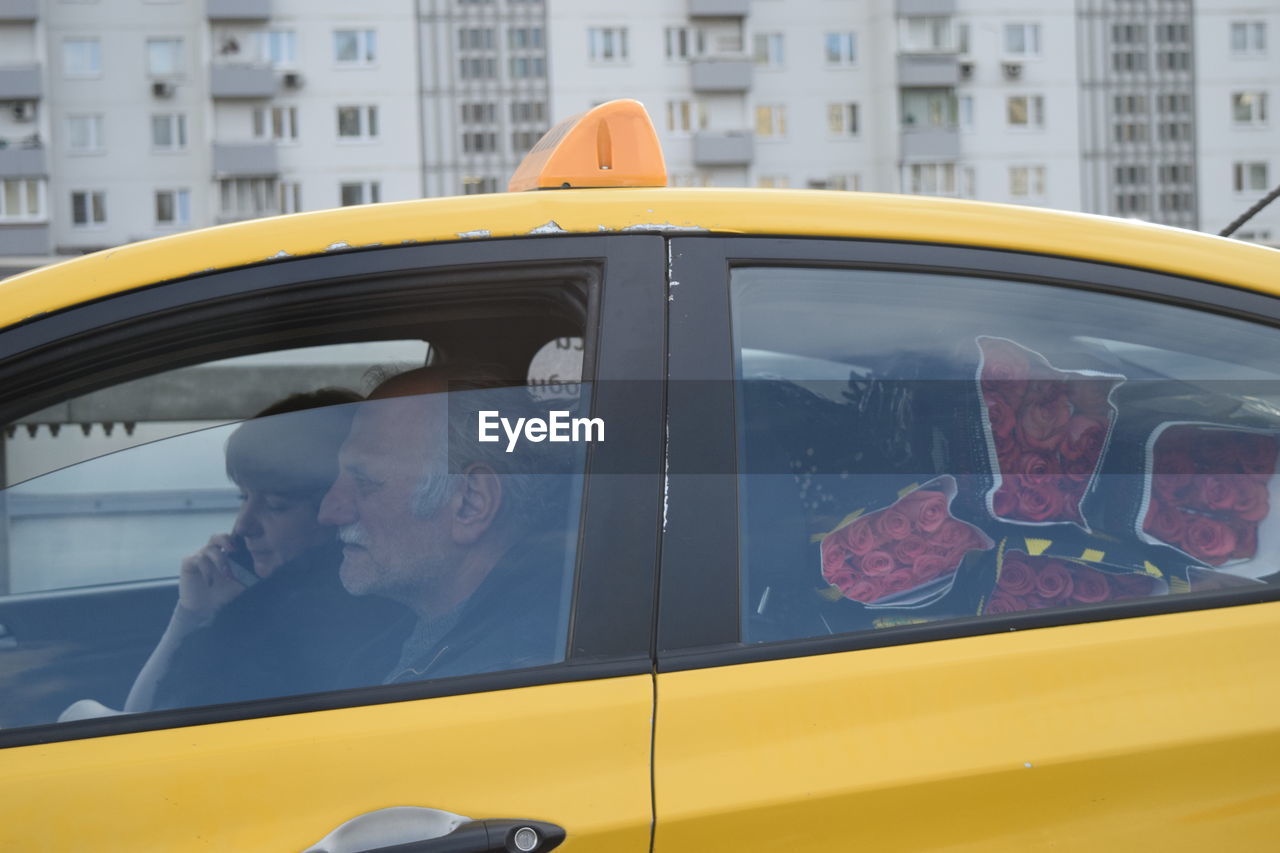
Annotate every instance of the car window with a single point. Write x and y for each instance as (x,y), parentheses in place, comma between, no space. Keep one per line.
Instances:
(258,526)
(921,447)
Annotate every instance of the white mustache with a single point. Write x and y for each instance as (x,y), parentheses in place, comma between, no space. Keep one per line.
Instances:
(353,534)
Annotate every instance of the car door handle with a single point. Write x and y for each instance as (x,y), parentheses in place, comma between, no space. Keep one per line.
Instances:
(413,829)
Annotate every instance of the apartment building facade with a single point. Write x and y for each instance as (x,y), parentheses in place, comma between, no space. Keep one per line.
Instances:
(185,113)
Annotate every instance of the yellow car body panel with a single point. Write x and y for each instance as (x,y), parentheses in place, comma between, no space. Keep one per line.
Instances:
(780,212)
(575,754)
(1155,733)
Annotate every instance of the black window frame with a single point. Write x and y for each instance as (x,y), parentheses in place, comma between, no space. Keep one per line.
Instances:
(614,596)
(699,607)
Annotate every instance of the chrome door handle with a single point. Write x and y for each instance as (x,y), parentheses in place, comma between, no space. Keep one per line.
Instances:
(414,829)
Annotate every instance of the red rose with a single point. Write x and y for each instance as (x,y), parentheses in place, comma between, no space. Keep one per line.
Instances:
(1246,540)
(1165,522)
(1209,539)
(1001,417)
(1083,438)
(1005,370)
(1173,487)
(1089,586)
(843,577)
(1215,492)
(1054,581)
(1034,469)
(1253,501)
(1089,396)
(891,524)
(1004,603)
(953,533)
(1215,450)
(929,566)
(1132,586)
(1046,390)
(1016,577)
(899,581)
(925,508)
(878,564)
(1004,503)
(1040,503)
(1040,424)
(1172,460)
(906,551)
(865,590)
(1006,447)
(859,537)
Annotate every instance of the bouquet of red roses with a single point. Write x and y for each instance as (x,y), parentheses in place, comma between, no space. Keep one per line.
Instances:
(1209,490)
(903,547)
(1048,428)
(1024,582)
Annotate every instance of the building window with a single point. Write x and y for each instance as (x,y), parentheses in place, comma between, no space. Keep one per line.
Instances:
(962,39)
(21,198)
(477,184)
(279,48)
(1175,202)
(1128,34)
(965,106)
(290,197)
(1131,131)
(1249,107)
(771,121)
(523,140)
(169,132)
(1022,40)
(607,44)
(1173,33)
(524,38)
(355,47)
(1132,203)
(930,178)
(85,134)
(248,197)
(477,68)
(360,192)
(528,111)
(1025,111)
(527,67)
(88,208)
(81,58)
(684,42)
(776,182)
(1129,60)
(1026,181)
(769,50)
(358,122)
(1175,131)
(1176,173)
(173,207)
(688,179)
(686,116)
(1251,177)
(483,142)
(1173,103)
(1131,175)
(164,57)
(1249,38)
(926,34)
(475,38)
(842,119)
(1130,104)
(481,113)
(1173,60)
(928,108)
(278,123)
(842,48)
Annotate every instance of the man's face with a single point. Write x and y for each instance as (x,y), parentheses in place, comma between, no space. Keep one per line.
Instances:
(388,550)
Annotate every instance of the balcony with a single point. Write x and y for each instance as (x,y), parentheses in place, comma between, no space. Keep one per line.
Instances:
(720,75)
(22,162)
(19,10)
(931,143)
(20,83)
(244,159)
(919,69)
(930,8)
(242,81)
(718,8)
(724,148)
(238,10)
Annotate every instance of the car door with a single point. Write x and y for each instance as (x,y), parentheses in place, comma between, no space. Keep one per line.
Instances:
(1075,671)
(118,413)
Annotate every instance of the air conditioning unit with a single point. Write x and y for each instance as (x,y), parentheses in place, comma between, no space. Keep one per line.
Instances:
(293,80)
(966,70)
(162,89)
(24,111)
(1012,70)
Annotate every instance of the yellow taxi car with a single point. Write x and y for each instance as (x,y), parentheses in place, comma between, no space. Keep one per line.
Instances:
(896,523)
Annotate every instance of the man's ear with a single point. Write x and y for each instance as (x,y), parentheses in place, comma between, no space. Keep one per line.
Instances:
(476,503)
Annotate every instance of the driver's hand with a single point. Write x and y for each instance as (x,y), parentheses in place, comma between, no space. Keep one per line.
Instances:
(206,582)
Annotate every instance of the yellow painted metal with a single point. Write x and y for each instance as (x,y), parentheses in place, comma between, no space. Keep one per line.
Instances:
(827,214)
(1158,733)
(574,754)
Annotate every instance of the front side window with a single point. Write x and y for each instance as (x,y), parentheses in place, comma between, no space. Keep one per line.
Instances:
(686,116)
(169,131)
(1249,108)
(359,192)
(1025,111)
(841,48)
(928,108)
(1251,176)
(842,119)
(926,34)
(1249,38)
(770,50)
(607,44)
(358,122)
(85,133)
(247,198)
(355,47)
(917,447)
(173,207)
(771,121)
(88,208)
(81,57)
(1022,40)
(21,198)
(1026,181)
(164,57)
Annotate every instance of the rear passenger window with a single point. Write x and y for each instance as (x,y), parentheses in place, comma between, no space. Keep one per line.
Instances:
(917,448)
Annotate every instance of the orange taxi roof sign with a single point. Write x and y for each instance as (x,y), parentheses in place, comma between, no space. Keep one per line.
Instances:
(612,145)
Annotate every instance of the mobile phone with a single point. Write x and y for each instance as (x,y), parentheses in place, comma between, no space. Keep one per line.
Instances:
(241,562)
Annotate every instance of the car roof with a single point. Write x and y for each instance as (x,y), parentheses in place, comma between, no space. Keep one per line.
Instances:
(810,213)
